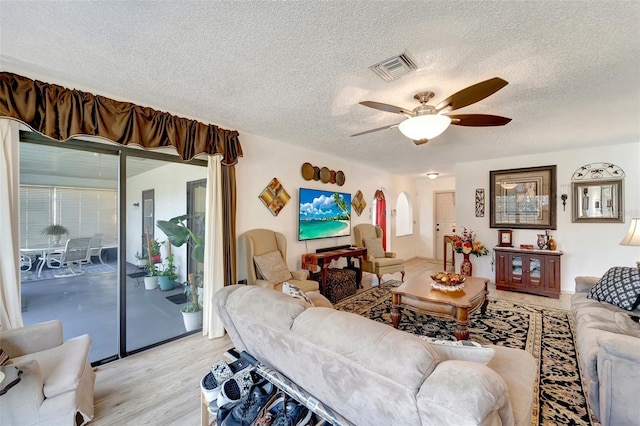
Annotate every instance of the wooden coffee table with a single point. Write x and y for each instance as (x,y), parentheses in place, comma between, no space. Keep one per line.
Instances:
(418,295)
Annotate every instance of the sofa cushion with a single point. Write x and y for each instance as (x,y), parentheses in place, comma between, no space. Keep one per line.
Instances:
(397,355)
(463,350)
(272,267)
(270,308)
(61,366)
(619,286)
(374,247)
(318,300)
(627,325)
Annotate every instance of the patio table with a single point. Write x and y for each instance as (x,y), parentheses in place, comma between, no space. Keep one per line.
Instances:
(43,251)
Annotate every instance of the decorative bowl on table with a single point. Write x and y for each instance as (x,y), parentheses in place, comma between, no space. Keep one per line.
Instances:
(448,281)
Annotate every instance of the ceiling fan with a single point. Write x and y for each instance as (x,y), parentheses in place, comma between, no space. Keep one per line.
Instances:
(426,122)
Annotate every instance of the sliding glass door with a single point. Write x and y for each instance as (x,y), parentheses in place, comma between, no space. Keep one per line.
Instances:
(67,195)
(108,196)
(156,190)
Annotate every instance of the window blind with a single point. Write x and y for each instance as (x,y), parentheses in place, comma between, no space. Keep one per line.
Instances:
(83,211)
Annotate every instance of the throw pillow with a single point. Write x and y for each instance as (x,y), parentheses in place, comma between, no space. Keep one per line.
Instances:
(272,267)
(463,350)
(4,357)
(295,292)
(619,286)
(374,247)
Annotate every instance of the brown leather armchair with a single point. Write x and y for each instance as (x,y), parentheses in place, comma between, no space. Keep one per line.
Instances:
(378,262)
(259,242)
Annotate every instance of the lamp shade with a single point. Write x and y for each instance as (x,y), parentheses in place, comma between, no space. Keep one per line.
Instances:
(424,126)
(633,234)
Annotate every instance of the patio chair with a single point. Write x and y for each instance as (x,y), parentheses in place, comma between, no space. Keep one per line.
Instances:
(95,249)
(25,262)
(74,253)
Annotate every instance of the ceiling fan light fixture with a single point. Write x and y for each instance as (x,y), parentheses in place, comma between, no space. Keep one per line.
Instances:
(424,126)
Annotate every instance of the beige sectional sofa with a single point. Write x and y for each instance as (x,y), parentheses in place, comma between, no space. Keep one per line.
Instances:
(57,382)
(373,374)
(608,345)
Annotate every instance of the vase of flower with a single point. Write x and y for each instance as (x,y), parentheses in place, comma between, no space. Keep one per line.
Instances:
(467,245)
(466,268)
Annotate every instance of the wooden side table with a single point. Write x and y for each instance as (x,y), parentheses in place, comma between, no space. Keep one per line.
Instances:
(204,412)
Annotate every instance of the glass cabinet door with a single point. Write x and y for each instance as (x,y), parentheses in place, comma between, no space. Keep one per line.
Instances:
(535,268)
(516,269)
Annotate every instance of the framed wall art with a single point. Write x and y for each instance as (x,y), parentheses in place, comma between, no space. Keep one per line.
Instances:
(358,202)
(274,196)
(480,202)
(523,198)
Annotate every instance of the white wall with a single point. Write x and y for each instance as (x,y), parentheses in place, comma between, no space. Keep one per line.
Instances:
(170,191)
(265,159)
(589,248)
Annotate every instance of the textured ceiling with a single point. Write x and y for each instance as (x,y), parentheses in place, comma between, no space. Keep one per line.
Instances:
(295,71)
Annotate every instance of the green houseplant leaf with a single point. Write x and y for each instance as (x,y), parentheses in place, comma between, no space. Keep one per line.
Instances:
(178,233)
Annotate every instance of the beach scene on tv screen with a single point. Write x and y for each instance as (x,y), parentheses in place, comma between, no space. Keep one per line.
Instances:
(324,214)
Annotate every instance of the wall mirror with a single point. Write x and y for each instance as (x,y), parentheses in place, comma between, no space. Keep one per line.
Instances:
(598,201)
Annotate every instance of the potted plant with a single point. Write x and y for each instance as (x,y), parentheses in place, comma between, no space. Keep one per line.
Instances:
(151,280)
(192,311)
(167,277)
(154,251)
(56,231)
(178,233)
(141,260)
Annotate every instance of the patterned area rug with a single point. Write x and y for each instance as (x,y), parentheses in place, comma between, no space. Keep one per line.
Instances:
(548,334)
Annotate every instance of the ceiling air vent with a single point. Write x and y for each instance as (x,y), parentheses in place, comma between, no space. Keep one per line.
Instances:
(395,67)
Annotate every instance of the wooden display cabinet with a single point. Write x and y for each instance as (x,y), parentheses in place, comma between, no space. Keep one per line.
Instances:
(529,271)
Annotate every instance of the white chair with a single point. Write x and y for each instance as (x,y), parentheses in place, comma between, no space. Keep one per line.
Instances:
(25,261)
(95,248)
(74,253)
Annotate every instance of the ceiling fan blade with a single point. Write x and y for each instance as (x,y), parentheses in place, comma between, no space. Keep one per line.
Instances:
(478,120)
(376,130)
(472,94)
(386,107)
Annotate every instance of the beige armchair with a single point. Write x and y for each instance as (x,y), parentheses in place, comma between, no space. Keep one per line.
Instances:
(57,381)
(265,254)
(378,261)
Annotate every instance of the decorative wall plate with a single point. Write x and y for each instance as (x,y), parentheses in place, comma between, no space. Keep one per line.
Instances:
(323,174)
(307,171)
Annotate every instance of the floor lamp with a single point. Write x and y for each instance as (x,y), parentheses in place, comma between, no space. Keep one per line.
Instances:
(633,235)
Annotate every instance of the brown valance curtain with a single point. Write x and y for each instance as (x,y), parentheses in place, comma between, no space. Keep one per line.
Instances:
(62,113)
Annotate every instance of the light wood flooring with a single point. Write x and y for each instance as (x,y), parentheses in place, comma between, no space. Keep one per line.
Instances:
(161,386)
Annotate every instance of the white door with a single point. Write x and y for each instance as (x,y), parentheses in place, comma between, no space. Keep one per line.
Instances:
(445,220)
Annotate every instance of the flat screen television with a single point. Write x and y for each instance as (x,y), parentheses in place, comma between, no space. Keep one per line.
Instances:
(323,214)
